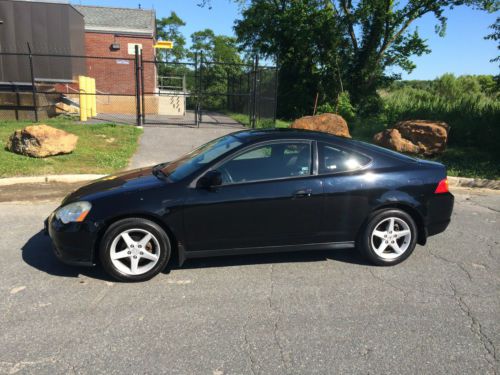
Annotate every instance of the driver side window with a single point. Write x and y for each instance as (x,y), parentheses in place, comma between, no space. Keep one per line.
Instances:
(267,162)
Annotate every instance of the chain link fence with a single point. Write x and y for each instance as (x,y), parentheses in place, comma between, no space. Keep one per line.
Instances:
(134,91)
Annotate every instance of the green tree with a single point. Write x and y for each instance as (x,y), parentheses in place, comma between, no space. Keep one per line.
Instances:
(303,38)
(495,36)
(216,77)
(168,28)
(311,38)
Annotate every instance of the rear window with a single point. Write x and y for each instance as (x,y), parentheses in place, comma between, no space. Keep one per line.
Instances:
(386,151)
(333,159)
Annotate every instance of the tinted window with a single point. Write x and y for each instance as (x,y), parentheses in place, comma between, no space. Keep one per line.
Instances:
(333,159)
(276,160)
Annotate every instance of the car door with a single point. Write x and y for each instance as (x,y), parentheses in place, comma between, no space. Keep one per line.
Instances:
(269,197)
(345,184)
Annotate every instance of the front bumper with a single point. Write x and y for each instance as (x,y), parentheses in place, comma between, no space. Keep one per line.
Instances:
(73,243)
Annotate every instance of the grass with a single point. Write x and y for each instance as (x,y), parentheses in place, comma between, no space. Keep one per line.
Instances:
(267,123)
(101,149)
(470,162)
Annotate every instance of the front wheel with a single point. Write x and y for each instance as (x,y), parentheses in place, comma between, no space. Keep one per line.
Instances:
(389,237)
(134,249)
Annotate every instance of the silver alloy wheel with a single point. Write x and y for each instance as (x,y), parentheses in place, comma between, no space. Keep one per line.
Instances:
(135,251)
(390,238)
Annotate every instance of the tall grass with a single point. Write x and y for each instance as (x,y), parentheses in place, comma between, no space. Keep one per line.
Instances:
(470,105)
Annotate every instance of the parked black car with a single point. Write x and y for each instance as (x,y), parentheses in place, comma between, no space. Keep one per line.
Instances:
(253,192)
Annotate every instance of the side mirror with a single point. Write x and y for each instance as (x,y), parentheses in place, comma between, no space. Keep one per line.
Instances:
(210,180)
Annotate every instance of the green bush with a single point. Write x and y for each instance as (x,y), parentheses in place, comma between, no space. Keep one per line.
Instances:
(343,107)
(325,108)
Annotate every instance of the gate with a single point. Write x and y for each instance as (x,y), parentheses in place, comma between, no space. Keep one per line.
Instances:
(200,91)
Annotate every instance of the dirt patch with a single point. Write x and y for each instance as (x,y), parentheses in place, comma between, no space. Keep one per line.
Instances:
(49,191)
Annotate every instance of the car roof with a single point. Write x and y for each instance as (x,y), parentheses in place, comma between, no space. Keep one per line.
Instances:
(259,135)
(253,135)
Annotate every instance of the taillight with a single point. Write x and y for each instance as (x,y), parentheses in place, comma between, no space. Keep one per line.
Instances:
(442,187)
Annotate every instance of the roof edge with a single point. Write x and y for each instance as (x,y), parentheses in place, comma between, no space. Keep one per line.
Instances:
(118,30)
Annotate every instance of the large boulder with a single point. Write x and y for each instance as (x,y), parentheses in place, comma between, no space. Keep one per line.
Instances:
(415,137)
(430,136)
(391,138)
(326,122)
(40,141)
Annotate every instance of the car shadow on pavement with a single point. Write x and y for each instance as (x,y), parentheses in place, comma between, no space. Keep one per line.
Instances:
(37,252)
(340,255)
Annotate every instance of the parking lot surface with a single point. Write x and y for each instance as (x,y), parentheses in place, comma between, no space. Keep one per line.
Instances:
(322,312)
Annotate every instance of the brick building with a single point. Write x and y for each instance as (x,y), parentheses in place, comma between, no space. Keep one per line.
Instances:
(114,32)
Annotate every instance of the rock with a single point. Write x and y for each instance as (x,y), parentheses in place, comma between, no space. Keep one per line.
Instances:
(415,137)
(63,108)
(391,138)
(430,136)
(326,122)
(40,141)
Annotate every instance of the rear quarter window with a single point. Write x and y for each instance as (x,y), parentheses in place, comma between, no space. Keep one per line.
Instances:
(386,151)
(334,159)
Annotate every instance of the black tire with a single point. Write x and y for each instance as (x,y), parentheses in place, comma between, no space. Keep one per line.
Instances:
(364,240)
(163,251)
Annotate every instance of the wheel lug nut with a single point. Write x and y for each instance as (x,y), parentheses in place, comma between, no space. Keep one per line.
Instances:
(129,252)
(135,256)
(142,253)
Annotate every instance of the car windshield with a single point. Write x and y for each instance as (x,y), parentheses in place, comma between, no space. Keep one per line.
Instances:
(194,160)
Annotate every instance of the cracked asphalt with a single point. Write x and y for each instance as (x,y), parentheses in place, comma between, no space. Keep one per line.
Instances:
(300,313)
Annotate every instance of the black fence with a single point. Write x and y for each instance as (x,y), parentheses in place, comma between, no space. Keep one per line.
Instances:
(137,90)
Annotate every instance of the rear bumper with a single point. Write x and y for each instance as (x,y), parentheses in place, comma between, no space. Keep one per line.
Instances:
(73,243)
(440,208)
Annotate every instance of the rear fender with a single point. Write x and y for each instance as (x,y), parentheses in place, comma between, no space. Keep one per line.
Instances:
(405,202)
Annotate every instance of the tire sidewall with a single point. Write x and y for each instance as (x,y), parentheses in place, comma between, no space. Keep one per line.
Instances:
(375,219)
(122,225)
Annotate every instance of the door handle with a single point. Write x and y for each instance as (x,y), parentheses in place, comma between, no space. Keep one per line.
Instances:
(302,193)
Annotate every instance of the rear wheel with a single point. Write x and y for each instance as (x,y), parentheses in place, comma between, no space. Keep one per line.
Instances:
(389,237)
(134,249)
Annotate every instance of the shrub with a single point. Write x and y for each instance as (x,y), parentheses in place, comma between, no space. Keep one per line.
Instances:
(343,107)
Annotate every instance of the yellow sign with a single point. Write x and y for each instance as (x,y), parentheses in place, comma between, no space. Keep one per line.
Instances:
(167,44)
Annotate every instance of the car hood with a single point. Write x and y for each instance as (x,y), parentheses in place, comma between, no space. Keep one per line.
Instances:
(136,179)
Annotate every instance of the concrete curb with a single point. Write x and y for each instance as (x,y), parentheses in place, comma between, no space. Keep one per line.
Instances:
(64,178)
(474,183)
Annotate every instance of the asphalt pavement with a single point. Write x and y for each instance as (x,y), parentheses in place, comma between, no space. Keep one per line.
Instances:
(161,143)
(302,313)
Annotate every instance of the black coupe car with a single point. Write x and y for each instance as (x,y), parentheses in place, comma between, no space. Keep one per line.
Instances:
(253,192)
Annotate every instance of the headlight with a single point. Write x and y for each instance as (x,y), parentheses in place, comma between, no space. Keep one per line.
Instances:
(73,212)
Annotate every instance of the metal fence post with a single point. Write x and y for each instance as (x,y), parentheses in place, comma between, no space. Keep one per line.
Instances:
(143,100)
(254,92)
(276,82)
(137,87)
(200,115)
(196,89)
(227,90)
(33,87)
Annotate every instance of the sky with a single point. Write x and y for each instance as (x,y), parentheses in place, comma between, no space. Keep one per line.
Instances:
(462,50)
